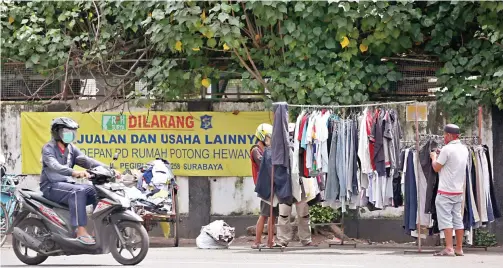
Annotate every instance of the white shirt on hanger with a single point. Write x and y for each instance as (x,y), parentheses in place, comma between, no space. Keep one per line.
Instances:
(363,147)
(322,131)
(296,144)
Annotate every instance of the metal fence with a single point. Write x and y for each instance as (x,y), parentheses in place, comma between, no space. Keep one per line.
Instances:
(418,77)
(20,83)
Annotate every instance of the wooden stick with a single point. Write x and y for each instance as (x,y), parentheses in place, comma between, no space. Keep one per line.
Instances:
(417,188)
(270,222)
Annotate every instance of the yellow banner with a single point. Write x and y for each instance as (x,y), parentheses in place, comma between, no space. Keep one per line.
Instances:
(196,143)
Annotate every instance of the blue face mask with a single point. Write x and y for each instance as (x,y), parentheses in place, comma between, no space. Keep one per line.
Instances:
(67,136)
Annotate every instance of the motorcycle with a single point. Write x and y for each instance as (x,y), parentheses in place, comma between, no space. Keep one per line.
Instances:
(44,226)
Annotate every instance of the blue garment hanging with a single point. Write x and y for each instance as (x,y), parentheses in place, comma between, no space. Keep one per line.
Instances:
(410,196)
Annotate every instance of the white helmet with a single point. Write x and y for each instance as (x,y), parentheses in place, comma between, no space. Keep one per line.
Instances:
(263,131)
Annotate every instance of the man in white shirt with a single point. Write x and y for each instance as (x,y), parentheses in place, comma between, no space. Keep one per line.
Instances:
(451,166)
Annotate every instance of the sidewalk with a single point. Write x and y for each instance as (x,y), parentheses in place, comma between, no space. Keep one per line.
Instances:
(159,242)
(246,242)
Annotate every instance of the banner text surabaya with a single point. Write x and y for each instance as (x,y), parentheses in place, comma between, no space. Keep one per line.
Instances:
(170,154)
(165,139)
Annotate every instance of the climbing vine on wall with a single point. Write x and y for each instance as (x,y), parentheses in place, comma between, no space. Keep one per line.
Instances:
(314,52)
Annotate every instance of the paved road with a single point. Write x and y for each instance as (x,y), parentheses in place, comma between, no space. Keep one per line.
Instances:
(245,257)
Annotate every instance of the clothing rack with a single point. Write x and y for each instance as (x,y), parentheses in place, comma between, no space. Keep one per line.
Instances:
(419,207)
(419,249)
(271,225)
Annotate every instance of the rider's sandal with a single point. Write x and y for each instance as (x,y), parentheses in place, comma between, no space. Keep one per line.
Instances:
(90,242)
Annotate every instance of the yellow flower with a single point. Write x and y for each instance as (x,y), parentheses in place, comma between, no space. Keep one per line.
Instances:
(226,47)
(206,82)
(196,49)
(363,48)
(345,42)
(178,46)
(11,20)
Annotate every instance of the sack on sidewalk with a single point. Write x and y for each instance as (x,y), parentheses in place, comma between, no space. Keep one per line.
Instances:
(216,235)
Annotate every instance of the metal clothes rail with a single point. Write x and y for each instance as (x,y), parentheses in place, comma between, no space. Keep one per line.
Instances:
(345,106)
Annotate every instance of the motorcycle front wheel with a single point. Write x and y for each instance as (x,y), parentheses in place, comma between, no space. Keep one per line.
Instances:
(136,243)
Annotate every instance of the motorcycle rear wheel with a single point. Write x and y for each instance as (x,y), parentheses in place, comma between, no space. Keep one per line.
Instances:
(16,245)
(140,232)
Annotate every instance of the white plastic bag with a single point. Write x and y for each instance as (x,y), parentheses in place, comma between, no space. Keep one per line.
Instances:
(311,188)
(161,174)
(133,193)
(205,241)
(219,232)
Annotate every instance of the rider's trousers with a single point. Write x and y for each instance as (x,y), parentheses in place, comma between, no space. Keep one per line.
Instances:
(75,196)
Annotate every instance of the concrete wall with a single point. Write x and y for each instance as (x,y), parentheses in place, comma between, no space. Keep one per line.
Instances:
(220,197)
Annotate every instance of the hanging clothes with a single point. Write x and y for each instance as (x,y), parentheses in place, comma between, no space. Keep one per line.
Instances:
(337,151)
(377,138)
(430,175)
(496,209)
(478,207)
(410,213)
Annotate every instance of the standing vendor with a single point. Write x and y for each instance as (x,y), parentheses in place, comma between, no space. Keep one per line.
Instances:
(451,166)
(263,135)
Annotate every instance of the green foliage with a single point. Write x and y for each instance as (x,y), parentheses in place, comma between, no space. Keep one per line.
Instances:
(484,239)
(312,52)
(319,214)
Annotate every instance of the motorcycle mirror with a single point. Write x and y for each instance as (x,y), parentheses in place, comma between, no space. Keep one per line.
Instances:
(116,156)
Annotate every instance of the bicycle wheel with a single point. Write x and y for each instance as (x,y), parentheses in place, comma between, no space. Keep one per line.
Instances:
(4,224)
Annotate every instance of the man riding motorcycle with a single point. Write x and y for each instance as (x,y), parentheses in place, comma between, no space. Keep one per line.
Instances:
(59,156)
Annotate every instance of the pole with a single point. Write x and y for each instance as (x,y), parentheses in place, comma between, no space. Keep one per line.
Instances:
(270,222)
(417,165)
(417,189)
